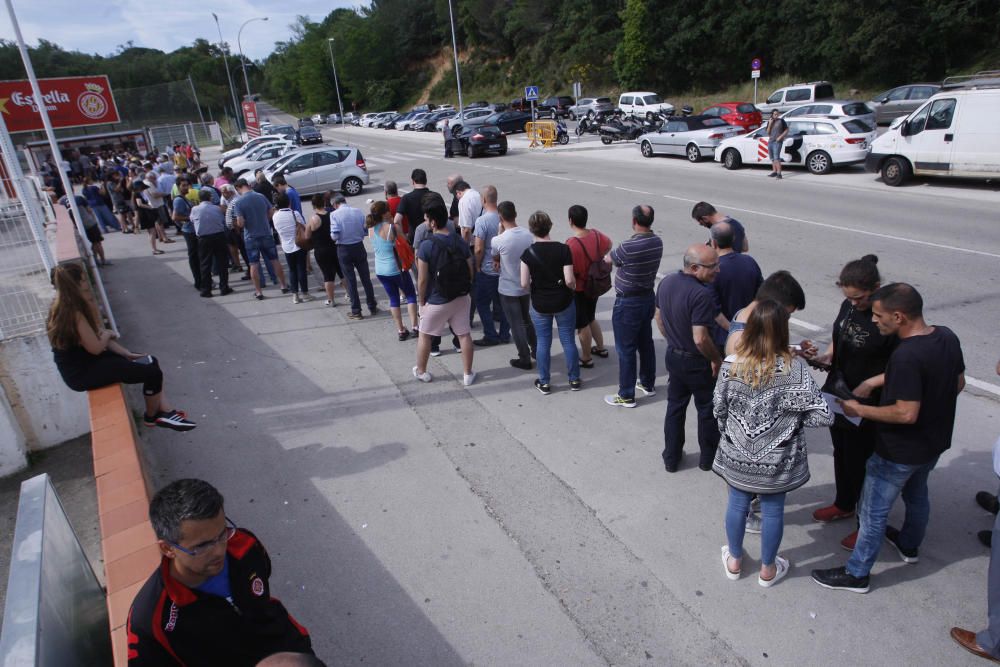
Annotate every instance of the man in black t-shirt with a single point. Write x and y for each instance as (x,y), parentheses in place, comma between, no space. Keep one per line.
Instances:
(915,419)
(411,204)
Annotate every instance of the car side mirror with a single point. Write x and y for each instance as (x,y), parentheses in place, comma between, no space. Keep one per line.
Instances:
(885,99)
(904,129)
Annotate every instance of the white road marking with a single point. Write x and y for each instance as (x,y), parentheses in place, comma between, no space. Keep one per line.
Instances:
(528,173)
(558,178)
(640,192)
(599,185)
(805,325)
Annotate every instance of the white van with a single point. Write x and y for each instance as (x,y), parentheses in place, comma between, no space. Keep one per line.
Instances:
(644,104)
(955,133)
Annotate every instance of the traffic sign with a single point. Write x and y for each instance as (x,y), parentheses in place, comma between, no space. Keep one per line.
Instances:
(531,93)
(755,74)
(756,64)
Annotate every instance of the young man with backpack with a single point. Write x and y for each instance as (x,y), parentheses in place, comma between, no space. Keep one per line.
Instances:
(593,278)
(445,280)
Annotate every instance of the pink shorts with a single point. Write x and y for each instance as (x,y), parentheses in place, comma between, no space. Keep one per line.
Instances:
(434,320)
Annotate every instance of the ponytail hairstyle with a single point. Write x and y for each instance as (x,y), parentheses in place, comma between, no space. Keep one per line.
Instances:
(378,211)
(318,201)
(764,339)
(861,273)
(70,301)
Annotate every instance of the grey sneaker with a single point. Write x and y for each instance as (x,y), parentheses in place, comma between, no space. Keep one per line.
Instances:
(753,523)
(648,391)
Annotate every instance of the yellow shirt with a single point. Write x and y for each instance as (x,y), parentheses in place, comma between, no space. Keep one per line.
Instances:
(180,160)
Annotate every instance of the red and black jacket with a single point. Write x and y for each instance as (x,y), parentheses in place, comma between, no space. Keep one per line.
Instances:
(171,624)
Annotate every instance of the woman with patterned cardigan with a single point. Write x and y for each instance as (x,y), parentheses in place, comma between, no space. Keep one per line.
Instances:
(764,398)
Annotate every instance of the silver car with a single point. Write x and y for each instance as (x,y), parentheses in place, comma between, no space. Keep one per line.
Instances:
(257,158)
(901,101)
(694,137)
(839,108)
(588,107)
(323,168)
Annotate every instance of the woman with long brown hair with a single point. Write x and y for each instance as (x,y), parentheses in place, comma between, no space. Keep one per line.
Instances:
(383,232)
(88,356)
(764,398)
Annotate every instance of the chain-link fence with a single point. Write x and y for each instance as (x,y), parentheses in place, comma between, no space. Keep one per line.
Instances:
(196,134)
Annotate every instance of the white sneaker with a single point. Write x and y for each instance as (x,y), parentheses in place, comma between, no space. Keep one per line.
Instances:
(423,377)
(330,302)
(306,296)
(781,566)
(469,378)
(295,298)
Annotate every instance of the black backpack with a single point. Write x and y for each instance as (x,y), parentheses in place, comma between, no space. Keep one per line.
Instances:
(451,269)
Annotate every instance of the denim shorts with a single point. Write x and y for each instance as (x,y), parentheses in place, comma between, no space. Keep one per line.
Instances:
(774,150)
(263,245)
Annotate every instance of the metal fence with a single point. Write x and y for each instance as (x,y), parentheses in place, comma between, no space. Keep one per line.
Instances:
(25,290)
(197,134)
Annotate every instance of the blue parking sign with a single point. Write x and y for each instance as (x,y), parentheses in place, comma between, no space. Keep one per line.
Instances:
(531,92)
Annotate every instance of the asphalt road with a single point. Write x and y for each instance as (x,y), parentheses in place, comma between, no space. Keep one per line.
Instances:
(441,525)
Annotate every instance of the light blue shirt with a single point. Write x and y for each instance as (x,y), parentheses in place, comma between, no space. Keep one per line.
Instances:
(385,253)
(347,225)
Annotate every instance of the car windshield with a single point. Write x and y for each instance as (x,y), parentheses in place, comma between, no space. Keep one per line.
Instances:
(651,99)
(603,100)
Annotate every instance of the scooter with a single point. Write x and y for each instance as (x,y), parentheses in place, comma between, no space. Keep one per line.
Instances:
(620,129)
(562,134)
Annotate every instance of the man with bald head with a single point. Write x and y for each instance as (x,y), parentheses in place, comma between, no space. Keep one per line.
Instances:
(738,279)
(686,314)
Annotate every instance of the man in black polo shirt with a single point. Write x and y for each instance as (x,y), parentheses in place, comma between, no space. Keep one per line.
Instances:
(914,419)
(637,260)
(737,281)
(411,204)
(686,314)
(209,602)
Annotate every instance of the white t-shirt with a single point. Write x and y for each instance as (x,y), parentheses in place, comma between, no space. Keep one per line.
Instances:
(470,207)
(510,245)
(284,221)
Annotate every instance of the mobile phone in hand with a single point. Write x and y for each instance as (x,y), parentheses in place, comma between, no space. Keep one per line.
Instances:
(145,361)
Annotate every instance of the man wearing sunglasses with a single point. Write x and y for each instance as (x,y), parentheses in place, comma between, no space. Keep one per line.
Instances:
(209,603)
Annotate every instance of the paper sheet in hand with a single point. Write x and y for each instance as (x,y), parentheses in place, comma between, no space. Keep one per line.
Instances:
(836,409)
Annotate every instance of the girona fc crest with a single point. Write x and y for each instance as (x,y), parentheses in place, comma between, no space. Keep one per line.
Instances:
(257,586)
(91,103)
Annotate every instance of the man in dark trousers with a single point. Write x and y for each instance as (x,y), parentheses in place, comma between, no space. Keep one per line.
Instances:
(446,131)
(686,314)
(914,420)
(209,602)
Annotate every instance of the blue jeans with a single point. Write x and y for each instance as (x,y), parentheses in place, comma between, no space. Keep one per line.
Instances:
(106,218)
(487,293)
(353,258)
(772,527)
(884,482)
(566,323)
(632,321)
(689,376)
(989,639)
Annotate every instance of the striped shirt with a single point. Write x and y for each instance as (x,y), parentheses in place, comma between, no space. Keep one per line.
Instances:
(637,260)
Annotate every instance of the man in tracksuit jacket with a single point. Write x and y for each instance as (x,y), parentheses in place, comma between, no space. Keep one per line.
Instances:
(209,603)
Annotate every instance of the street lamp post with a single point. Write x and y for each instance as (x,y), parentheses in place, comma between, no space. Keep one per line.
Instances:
(229,76)
(240,47)
(454,47)
(336,83)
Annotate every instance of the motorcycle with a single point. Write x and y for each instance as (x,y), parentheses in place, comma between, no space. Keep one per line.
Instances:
(588,125)
(562,134)
(620,129)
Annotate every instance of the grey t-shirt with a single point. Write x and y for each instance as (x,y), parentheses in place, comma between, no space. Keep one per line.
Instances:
(208,218)
(487,227)
(424,231)
(510,245)
(253,208)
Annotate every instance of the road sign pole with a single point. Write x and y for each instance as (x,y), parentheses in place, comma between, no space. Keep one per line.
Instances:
(755,92)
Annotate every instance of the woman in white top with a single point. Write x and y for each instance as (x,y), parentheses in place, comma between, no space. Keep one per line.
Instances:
(285,223)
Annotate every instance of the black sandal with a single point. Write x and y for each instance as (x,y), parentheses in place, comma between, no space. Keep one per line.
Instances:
(586,363)
(599,351)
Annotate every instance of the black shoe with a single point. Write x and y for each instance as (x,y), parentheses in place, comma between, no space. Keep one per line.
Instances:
(373,311)
(523,365)
(206,295)
(908,555)
(988,502)
(986,537)
(772,174)
(705,467)
(839,579)
(245,276)
(435,351)
(543,388)
(669,467)
(285,290)
(228,290)
(575,385)
(404,335)
(485,342)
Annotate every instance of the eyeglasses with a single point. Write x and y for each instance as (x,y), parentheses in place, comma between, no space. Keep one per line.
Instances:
(199,549)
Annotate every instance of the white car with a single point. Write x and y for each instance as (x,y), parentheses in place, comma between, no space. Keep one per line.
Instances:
(694,137)
(405,125)
(319,119)
(375,117)
(848,108)
(817,142)
(256,142)
(643,104)
(258,158)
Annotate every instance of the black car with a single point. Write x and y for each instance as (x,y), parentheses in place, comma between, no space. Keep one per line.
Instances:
(479,140)
(303,122)
(556,107)
(309,135)
(429,124)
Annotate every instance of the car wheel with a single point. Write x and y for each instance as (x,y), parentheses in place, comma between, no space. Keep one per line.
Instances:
(819,162)
(896,171)
(351,186)
(647,149)
(606,140)
(693,153)
(471,152)
(503,150)
(731,159)
(572,115)
(563,139)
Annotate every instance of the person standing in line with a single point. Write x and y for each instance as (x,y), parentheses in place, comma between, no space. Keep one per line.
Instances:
(383,233)
(686,314)
(487,282)
(90,227)
(637,260)
(547,268)
(287,221)
(470,207)
(410,212)
(118,190)
(443,291)
(210,227)
(253,216)
(392,199)
(762,401)
(156,201)
(777,130)
(227,195)
(324,248)
(182,216)
(857,357)
(588,246)
(148,218)
(95,200)
(281,186)
(706,216)
(506,249)
(347,229)
(166,181)
(446,133)
(915,418)
(782,287)
(737,281)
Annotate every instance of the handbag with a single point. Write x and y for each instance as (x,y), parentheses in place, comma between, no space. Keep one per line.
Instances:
(303,237)
(401,248)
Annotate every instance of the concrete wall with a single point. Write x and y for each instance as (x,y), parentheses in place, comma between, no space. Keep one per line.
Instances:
(12,443)
(46,410)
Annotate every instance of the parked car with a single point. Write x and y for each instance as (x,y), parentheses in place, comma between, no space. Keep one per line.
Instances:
(407,121)
(739,114)
(247,147)
(509,122)
(644,105)
(479,104)
(425,108)
(332,118)
(286,131)
(817,142)
(848,108)
(248,164)
(431,122)
(694,137)
(322,168)
(901,101)
(955,133)
(520,104)
(319,119)
(305,121)
(478,140)
(470,114)
(309,135)
(590,107)
(789,97)
(365,118)
(556,107)
(384,122)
